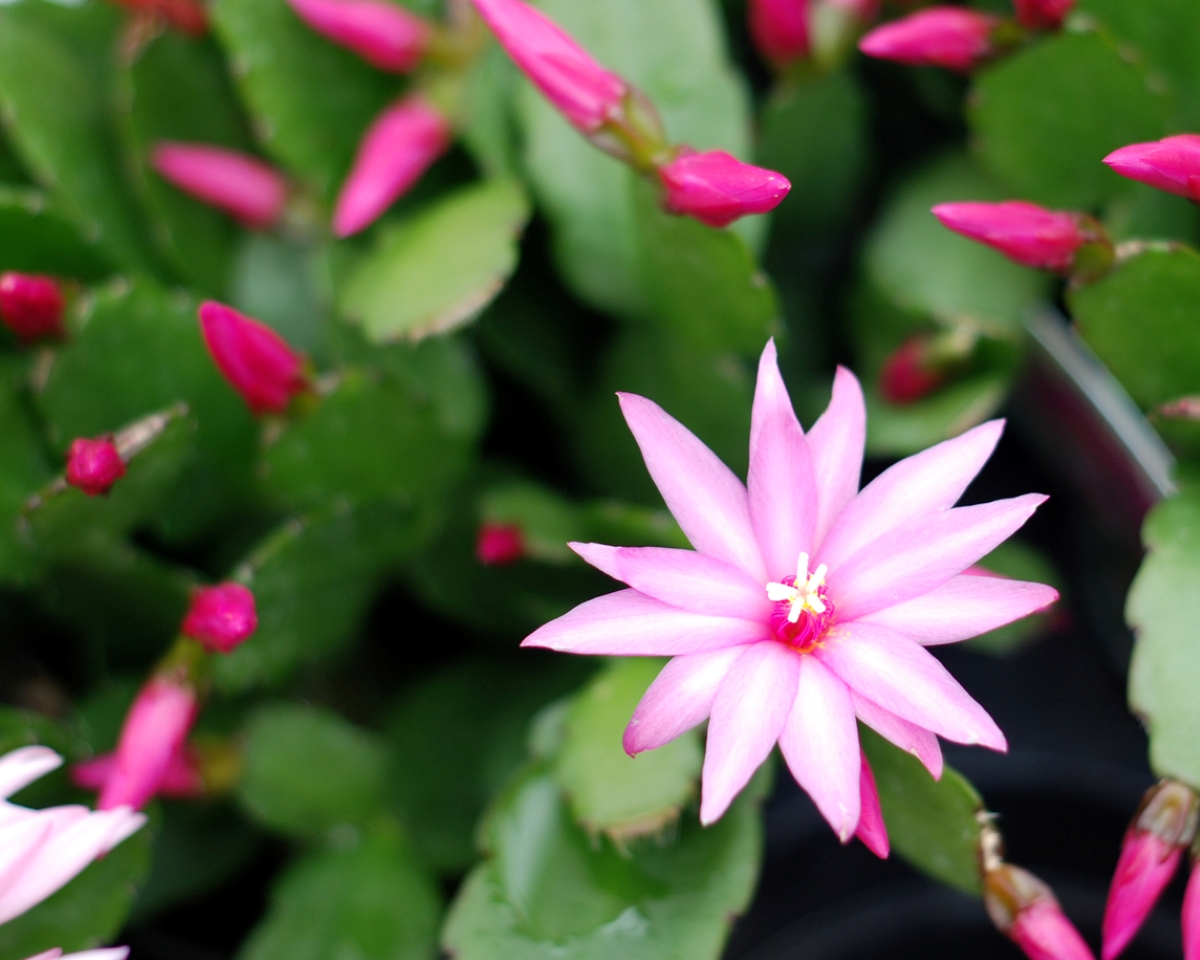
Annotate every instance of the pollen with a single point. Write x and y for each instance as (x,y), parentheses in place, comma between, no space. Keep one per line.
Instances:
(803,610)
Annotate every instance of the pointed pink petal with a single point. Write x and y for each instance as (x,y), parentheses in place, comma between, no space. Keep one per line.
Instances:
(630,624)
(923,554)
(20,842)
(903,677)
(682,578)
(924,483)
(21,767)
(748,714)
(836,442)
(680,697)
(703,494)
(782,487)
(104,953)
(964,607)
(820,744)
(1146,865)
(1190,916)
(871,829)
(907,736)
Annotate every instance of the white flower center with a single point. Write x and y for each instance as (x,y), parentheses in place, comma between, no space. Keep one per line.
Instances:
(804,593)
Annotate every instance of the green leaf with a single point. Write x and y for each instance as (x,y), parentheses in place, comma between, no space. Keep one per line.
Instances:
(609,791)
(23,468)
(933,824)
(952,410)
(311,100)
(55,85)
(277,282)
(549,894)
(1049,148)
(369,903)
(37,236)
(1162,608)
(436,270)
(1141,321)
(313,580)
(308,771)
(489,124)
(89,911)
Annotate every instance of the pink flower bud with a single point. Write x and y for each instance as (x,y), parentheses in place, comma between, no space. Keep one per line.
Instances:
(1172,164)
(400,146)
(499,543)
(779,29)
(94,465)
(908,374)
(1190,918)
(717,188)
(585,93)
(951,37)
(1027,912)
(152,735)
(187,16)
(221,617)
(383,33)
(31,305)
(255,360)
(1164,825)
(181,780)
(247,189)
(1042,14)
(1024,232)
(871,829)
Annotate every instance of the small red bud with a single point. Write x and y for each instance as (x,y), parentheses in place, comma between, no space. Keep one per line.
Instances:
(779,29)
(221,617)
(31,305)
(1042,14)
(499,544)
(94,465)
(907,375)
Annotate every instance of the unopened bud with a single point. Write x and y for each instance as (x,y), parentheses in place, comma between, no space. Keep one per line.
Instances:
(956,38)
(1190,918)
(249,190)
(910,374)
(31,305)
(221,618)
(499,544)
(716,188)
(1042,14)
(94,465)
(1025,910)
(871,829)
(1024,232)
(381,32)
(779,29)
(187,16)
(1172,164)
(254,359)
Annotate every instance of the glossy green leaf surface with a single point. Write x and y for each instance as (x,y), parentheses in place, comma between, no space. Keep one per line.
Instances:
(23,469)
(37,236)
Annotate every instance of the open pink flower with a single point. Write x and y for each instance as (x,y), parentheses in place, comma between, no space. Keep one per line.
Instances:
(807,604)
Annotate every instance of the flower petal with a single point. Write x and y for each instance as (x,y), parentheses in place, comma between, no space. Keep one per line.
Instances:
(907,736)
(929,481)
(680,697)
(630,624)
(871,829)
(21,767)
(901,676)
(703,494)
(921,555)
(964,607)
(836,442)
(682,578)
(820,744)
(782,487)
(748,714)
(20,842)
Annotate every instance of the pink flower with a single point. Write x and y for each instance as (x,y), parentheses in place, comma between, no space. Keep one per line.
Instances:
(806,604)
(181,779)
(951,37)
(41,850)
(383,33)
(255,360)
(780,29)
(1042,14)
(1026,910)
(907,374)
(221,617)
(717,188)
(1154,844)
(871,829)
(499,544)
(1191,916)
(94,465)
(1024,232)
(31,305)
(105,953)
(586,94)
(1172,164)
(247,189)
(152,735)
(400,146)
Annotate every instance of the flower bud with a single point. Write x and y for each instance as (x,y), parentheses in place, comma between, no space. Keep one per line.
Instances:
(400,146)
(153,733)
(221,618)
(1154,843)
(249,190)
(953,37)
(1024,232)
(255,360)
(181,779)
(909,373)
(717,188)
(1042,14)
(1190,919)
(94,465)
(779,29)
(1025,910)
(187,16)
(31,305)
(586,94)
(384,34)
(1172,164)
(871,829)
(499,544)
